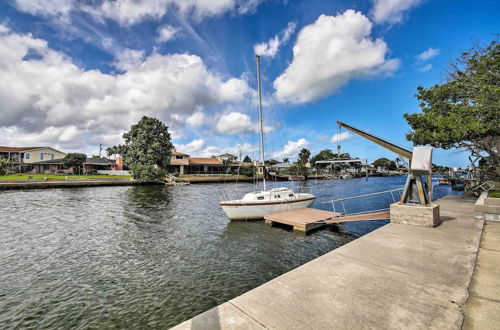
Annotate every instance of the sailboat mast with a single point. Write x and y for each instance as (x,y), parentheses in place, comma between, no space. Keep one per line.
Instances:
(261,123)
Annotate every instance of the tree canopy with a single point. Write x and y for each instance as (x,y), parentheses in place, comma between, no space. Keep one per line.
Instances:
(5,165)
(74,160)
(304,156)
(247,159)
(463,112)
(327,154)
(385,163)
(147,149)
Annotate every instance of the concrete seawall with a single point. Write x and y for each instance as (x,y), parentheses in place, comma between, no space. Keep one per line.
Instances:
(66,184)
(396,277)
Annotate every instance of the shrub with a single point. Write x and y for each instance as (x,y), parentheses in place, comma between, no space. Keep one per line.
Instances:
(146,173)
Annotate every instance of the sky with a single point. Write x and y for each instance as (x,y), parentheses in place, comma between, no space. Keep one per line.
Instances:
(77,74)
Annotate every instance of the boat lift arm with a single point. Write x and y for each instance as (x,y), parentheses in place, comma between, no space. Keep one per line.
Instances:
(388,145)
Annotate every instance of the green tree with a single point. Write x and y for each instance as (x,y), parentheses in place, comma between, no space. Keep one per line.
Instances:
(74,160)
(247,159)
(325,154)
(463,112)
(5,165)
(147,149)
(300,165)
(385,163)
(247,170)
(304,155)
(285,160)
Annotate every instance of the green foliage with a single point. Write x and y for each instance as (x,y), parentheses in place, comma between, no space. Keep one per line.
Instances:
(385,163)
(270,162)
(147,149)
(464,111)
(247,170)
(304,155)
(285,160)
(5,165)
(327,154)
(145,173)
(115,150)
(247,159)
(74,160)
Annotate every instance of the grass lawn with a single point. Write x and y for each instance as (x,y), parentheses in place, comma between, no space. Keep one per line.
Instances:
(19,177)
(494,194)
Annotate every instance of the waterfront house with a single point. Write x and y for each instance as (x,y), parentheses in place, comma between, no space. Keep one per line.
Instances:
(200,165)
(23,157)
(91,165)
(280,168)
(178,162)
(226,158)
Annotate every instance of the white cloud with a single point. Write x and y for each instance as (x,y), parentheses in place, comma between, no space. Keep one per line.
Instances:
(4,29)
(235,123)
(428,54)
(271,47)
(130,12)
(329,53)
(291,149)
(391,11)
(197,119)
(340,137)
(166,32)
(129,59)
(44,7)
(238,123)
(192,147)
(51,101)
(425,68)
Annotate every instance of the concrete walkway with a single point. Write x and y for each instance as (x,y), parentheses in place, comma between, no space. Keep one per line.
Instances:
(396,277)
(482,310)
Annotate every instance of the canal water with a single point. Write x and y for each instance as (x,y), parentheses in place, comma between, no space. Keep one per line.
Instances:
(150,256)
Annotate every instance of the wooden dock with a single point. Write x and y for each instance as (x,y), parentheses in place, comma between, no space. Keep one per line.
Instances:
(307,219)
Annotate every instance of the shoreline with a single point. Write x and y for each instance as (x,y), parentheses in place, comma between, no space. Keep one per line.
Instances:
(106,182)
(38,184)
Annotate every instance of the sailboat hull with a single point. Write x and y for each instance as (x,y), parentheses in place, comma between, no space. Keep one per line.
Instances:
(255,211)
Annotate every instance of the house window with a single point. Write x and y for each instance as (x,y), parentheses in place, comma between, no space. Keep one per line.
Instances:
(41,156)
(52,156)
(178,157)
(27,155)
(291,195)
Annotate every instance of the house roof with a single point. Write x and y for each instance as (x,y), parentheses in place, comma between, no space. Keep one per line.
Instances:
(204,161)
(281,165)
(88,161)
(227,155)
(99,161)
(16,149)
(20,149)
(238,164)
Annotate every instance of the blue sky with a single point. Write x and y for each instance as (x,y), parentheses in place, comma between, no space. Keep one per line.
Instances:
(76,74)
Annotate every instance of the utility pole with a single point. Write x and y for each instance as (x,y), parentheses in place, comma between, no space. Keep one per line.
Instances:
(100,149)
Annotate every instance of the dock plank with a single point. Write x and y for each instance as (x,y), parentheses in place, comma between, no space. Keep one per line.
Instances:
(307,218)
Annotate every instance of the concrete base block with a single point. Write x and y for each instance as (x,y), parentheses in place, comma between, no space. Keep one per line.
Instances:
(415,215)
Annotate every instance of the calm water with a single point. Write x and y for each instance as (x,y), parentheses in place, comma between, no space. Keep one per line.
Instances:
(152,256)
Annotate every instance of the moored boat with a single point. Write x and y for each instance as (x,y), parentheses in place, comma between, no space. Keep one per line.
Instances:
(255,205)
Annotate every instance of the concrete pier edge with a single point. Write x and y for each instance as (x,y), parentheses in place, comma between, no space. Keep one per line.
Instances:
(398,276)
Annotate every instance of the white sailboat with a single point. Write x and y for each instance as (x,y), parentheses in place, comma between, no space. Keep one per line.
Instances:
(255,205)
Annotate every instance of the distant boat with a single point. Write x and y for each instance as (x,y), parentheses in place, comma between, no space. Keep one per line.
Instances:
(255,205)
